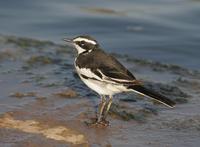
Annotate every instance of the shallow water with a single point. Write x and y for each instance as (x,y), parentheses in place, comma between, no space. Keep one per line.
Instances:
(166,31)
(44,103)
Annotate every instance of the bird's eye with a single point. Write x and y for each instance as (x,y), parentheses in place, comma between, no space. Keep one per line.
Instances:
(82,43)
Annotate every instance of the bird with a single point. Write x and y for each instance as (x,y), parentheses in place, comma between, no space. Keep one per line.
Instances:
(105,75)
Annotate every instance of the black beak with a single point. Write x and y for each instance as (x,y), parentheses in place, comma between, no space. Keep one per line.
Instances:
(68,40)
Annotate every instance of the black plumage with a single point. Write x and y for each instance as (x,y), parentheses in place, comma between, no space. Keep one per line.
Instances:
(152,94)
(107,64)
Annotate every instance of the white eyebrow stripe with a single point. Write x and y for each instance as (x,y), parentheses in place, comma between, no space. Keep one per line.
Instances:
(84,39)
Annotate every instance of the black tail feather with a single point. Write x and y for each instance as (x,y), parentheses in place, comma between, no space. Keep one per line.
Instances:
(152,94)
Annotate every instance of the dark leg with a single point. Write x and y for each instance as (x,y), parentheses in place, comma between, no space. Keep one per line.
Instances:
(107,108)
(101,108)
(104,107)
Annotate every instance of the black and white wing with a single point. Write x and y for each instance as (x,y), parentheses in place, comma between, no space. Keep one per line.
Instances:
(101,66)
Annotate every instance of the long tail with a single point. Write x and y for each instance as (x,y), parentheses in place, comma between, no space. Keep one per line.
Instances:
(152,94)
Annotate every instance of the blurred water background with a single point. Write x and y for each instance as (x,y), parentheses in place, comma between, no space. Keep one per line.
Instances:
(167,31)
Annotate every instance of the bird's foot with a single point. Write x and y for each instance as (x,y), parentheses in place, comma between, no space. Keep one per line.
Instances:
(102,123)
(99,124)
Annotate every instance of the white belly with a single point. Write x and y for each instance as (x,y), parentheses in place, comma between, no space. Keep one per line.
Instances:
(104,88)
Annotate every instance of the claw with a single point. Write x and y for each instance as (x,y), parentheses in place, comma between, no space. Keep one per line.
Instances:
(98,124)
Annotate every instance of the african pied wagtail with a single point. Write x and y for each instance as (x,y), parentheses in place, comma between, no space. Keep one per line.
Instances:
(104,74)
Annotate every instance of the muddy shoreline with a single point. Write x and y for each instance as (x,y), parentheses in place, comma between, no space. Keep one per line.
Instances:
(44,103)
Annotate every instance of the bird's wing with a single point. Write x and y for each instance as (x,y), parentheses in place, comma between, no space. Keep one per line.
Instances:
(107,68)
(116,75)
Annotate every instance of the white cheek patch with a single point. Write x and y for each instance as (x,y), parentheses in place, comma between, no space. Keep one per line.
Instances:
(79,49)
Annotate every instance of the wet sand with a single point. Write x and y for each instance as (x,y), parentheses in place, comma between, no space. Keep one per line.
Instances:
(44,103)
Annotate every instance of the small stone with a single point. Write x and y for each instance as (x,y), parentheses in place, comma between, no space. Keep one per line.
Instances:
(69,93)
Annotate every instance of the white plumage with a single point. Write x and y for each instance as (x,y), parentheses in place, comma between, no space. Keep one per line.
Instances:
(101,86)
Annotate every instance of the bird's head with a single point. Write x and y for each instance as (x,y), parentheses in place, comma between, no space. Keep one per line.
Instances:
(83,43)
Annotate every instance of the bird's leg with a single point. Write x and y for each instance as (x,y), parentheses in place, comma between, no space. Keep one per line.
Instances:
(101,108)
(104,107)
(107,108)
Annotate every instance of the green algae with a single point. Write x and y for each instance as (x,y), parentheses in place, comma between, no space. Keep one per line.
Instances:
(103,11)
(41,60)
(161,67)
(22,95)
(38,78)
(69,93)
(26,42)
(116,111)
(4,55)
